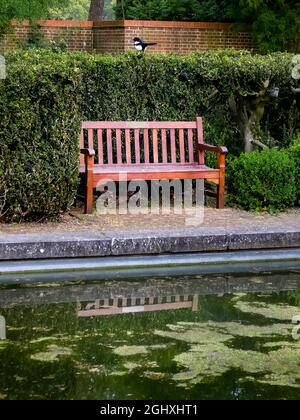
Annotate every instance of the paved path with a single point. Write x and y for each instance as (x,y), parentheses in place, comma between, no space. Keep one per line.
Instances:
(228,219)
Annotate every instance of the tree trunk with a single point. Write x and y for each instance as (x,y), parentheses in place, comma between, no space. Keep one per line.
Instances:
(248,112)
(96,10)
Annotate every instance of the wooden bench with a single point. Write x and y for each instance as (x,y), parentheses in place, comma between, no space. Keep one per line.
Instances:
(147,151)
(108,307)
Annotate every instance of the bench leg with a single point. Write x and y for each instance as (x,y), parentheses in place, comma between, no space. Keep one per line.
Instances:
(89,178)
(221,196)
(88,200)
(221,186)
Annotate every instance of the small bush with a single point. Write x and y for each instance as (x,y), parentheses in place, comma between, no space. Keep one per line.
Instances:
(295,150)
(262,180)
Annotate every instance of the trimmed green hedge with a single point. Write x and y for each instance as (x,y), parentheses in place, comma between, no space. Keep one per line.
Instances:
(47,94)
(262,180)
(295,150)
(39,131)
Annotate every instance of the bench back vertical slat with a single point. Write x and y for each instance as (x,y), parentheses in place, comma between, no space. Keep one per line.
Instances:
(191,145)
(128,146)
(109,146)
(119,146)
(164,146)
(100,146)
(137,146)
(91,139)
(201,155)
(181,145)
(173,145)
(155,145)
(146,146)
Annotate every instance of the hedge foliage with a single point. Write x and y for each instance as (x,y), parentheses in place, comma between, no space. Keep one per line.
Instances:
(295,150)
(38,131)
(263,180)
(47,94)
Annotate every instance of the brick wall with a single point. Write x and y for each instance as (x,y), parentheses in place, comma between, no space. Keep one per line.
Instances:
(77,34)
(109,36)
(184,37)
(116,36)
(181,37)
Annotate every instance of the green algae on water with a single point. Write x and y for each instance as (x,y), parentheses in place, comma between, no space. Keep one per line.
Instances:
(51,354)
(279,311)
(220,332)
(134,350)
(130,350)
(118,373)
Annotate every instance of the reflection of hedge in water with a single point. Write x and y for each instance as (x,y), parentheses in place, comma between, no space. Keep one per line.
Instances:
(46,95)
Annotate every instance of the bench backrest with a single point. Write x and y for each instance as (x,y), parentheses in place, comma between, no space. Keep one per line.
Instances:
(131,142)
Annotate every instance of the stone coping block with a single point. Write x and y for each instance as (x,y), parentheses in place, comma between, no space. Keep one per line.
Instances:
(121,243)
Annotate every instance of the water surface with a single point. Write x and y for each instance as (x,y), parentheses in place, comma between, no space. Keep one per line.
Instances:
(197,338)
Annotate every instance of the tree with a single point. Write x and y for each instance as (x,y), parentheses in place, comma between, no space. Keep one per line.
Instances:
(79,10)
(74,9)
(25,9)
(96,10)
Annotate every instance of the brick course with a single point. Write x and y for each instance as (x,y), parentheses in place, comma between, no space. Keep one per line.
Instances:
(116,36)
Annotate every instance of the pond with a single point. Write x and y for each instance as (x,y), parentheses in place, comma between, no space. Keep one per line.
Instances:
(187,338)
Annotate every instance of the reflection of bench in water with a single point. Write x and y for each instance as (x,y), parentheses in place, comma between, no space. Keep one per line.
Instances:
(2,328)
(135,305)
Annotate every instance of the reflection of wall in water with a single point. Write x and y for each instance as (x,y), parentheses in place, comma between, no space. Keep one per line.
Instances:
(107,307)
(2,328)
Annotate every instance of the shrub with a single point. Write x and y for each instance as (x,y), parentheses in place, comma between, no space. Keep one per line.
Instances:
(39,137)
(262,180)
(2,189)
(46,94)
(295,150)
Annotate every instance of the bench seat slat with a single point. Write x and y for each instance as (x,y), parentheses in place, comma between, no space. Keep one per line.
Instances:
(154,172)
(151,167)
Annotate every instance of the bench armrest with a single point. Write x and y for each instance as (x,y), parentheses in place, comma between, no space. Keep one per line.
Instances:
(209,148)
(88,152)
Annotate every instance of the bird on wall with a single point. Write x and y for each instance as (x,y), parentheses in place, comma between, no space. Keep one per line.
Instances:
(141,45)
